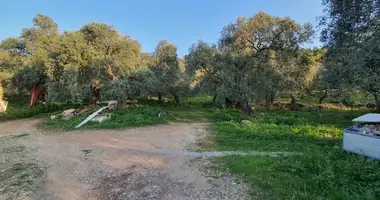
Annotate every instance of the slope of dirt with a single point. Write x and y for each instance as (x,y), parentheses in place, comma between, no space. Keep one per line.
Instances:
(123,164)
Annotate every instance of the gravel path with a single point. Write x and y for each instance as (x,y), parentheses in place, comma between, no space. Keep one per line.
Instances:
(125,164)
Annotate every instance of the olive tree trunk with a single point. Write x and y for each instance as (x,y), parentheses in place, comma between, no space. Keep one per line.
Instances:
(214,99)
(323,97)
(159,97)
(377,103)
(177,98)
(269,101)
(247,109)
(293,102)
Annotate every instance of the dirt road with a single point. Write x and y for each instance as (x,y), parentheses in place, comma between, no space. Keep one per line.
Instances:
(135,163)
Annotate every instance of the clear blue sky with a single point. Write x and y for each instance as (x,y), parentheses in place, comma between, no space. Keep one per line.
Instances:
(182,22)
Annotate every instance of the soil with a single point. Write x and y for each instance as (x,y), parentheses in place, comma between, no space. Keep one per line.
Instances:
(135,163)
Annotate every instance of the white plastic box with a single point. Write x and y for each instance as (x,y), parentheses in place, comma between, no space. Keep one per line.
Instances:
(363,144)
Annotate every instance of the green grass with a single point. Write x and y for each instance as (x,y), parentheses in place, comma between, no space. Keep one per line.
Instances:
(120,118)
(18,108)
(324,171)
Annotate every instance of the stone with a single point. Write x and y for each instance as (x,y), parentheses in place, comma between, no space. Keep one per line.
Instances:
(67,114)
(246,122)
(101,118)
(112,105)
(161,114)
(53,117)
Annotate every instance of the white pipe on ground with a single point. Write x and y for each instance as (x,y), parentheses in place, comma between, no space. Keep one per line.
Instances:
(91,116)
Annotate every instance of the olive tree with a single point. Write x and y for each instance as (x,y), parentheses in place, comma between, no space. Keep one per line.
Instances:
(166,68)
(202,66)
(350,32)
(272,45)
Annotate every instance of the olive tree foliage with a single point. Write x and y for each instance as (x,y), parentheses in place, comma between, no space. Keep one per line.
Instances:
(366,66)
(68,89)
(102,59)
(121,54)
(73,66)
(202,67)
(30,57)
(12,55)
(350,32)
(315,85)
(272,43)
(40,43)
(170,79)
(257,58)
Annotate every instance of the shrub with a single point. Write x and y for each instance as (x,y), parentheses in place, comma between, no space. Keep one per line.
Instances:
(68,89)
(115,90)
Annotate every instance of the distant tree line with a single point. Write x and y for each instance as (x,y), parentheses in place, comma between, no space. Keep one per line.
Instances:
(256,60)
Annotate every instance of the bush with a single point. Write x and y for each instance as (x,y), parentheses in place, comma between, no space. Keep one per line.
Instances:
(68,89)
(115,90)
(120,118)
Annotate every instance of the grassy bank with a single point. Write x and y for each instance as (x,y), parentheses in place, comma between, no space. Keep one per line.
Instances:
(120,118)
(324,171)
(18,108)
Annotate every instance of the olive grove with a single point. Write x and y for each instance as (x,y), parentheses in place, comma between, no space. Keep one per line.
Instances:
(257,58)
(256,61)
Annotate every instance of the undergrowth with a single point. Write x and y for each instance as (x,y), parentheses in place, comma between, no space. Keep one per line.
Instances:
(120,118)
(18,108)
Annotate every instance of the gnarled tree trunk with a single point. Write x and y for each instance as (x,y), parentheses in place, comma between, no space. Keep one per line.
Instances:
(214,99)
(269,101)
(159,97)
(293,102)
(177,98)
(323,97)
(377,103)
(247,109)
(37,93)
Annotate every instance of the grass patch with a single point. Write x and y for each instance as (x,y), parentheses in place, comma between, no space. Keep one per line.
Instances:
(324,171)
(18,108)
(120,118)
